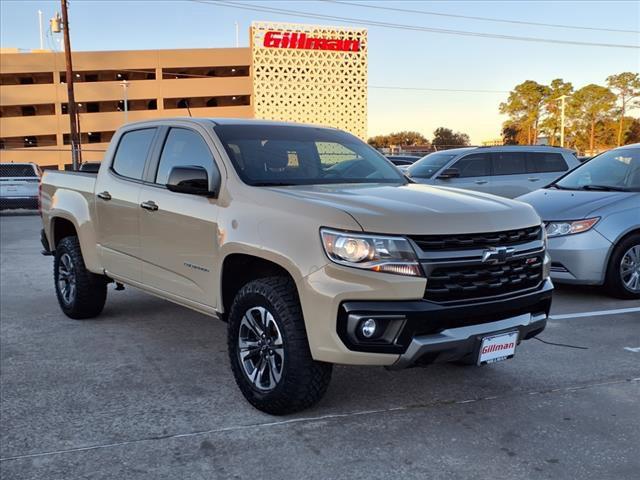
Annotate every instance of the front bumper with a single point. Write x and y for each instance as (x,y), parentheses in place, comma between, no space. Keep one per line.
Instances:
(580,258)
(427,332)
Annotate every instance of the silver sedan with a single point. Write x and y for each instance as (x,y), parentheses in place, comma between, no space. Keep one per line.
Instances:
(592,218)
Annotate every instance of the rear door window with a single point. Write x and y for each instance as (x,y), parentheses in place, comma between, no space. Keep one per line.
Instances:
(132,153)
(509,163)
(541,162)
(475,165)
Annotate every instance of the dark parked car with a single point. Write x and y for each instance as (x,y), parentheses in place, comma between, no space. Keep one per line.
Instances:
(90,167)
(403,160)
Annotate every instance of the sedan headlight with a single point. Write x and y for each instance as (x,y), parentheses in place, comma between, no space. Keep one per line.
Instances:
(559,229)
(371,252)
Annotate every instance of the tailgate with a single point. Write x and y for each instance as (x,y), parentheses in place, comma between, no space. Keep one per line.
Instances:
(19,186)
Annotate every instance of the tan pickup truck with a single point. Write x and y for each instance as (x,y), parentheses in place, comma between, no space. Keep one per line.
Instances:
(312,246)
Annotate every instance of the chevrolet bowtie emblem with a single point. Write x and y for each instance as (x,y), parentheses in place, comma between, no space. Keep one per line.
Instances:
(497,254)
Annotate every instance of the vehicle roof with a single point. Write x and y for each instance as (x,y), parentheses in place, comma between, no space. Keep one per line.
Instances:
(224,121)
(631,145)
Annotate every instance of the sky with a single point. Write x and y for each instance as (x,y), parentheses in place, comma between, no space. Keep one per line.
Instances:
(397,57)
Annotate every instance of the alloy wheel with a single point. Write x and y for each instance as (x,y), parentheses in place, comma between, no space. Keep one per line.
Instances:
(630,269)
(261,348)
(66,279)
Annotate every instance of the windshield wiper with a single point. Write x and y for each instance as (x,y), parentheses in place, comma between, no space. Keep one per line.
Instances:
(271,184)
(605,188)
(555,185)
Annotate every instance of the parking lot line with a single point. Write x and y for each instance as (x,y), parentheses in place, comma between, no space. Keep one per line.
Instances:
(330,416)
(595,313)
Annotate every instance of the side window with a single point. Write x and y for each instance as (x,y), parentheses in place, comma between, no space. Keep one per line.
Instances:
(183,148)
(541,162)
(475,165)
(132,153)
(509,163)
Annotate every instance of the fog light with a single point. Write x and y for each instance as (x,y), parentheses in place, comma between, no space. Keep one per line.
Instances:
(368,328)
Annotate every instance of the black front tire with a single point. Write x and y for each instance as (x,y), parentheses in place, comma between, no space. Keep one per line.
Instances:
(301,381)
(86,292)
(614,283)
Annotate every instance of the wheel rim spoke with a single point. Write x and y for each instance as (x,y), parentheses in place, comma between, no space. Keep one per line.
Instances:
(630,269)
(261,348)
(66,279)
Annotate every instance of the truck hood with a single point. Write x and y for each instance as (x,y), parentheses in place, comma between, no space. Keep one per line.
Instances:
(417,209)
(552,204)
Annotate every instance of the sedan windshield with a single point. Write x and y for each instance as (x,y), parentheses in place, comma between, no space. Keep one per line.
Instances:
(272,155)
(615,170)
(427,166)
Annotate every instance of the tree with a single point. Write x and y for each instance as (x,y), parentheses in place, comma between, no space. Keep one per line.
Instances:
(590,106)
(633,131)
(551,124)
(525,106)
(510,133)
(626,86)
(445,137)
(402,139)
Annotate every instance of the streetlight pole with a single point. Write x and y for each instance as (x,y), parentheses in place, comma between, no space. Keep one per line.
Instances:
(74,121)
(237,37)
(125,86)
(562,99)
(41,31)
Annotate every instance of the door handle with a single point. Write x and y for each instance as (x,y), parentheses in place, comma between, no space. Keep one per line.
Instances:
(104,195)
(149,205)
(481,182)
(533,179)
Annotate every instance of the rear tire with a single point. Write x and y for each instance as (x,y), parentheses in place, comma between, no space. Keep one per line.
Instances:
(269,351)
(81,294)
(623,272)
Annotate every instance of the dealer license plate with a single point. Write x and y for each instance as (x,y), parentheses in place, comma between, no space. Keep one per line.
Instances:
(496,348)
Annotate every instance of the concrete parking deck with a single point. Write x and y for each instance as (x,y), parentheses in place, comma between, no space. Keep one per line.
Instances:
(145,391)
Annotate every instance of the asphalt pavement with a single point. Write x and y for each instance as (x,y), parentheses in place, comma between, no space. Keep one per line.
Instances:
(145,392)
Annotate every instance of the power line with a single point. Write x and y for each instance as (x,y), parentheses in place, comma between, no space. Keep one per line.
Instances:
(398,26)
(457,90)
(485,19)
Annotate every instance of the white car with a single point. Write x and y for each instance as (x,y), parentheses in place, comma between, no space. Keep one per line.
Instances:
(19,185)
(508,171)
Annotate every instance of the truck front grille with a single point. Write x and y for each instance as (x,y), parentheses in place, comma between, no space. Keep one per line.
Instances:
(451,283)
(477,240)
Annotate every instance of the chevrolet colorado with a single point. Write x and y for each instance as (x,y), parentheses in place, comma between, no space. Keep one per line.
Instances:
(311,245)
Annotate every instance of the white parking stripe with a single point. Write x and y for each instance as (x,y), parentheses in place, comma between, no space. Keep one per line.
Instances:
(595,314)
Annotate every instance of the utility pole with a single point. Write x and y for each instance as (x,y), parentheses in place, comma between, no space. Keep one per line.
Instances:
(562,99)
(41,32)
(237,37)
(74,121)
(125,86)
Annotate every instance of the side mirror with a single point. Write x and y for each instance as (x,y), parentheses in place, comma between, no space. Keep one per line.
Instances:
(449,173)
(192,180)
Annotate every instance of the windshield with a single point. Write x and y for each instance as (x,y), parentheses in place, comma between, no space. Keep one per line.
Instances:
(265,155)
(427,166)
(17,170)
(613,170)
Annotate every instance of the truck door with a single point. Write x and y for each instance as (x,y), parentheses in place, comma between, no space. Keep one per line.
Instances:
(178,231)
(117,206)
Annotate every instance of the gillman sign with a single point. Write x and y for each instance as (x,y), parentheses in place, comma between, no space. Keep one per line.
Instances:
(279,39)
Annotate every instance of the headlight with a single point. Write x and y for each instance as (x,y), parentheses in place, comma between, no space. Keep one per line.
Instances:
(371,252)
(558,229)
